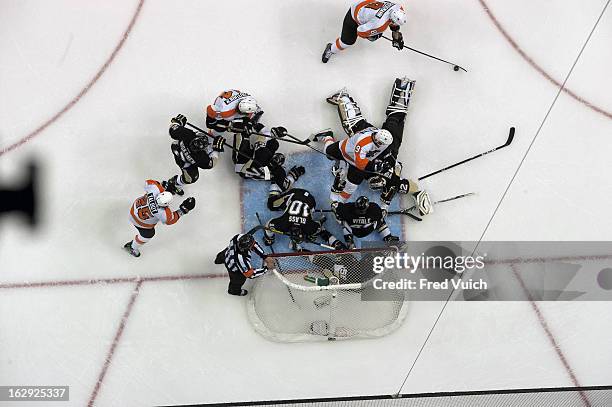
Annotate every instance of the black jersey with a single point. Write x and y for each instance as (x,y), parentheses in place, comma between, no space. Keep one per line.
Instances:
(185,151)
(357,224)
(296,221)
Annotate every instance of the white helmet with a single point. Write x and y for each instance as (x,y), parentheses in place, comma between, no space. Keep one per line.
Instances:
(398,16)
(382,137)
(247,105)
(164,198)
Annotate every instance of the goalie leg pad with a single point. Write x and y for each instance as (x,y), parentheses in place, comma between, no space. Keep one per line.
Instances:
(400,96)
(348,110)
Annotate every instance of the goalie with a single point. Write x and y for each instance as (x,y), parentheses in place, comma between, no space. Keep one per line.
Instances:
(370,151)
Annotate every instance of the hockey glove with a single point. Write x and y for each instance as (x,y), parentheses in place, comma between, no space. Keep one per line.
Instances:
(398,40)
(278,132)
(179,119)
(338,245)
(350,241)
(373,38)
(187,205)
(269,240)
(296,172)
(391,238)
(243,126)
(218,144)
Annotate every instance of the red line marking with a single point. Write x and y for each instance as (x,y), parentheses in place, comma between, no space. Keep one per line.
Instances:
(83,91)
(117,338)
(550,336)
(119,280)
(537,67)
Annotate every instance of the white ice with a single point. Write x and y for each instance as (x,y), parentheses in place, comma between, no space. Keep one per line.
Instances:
(186,341)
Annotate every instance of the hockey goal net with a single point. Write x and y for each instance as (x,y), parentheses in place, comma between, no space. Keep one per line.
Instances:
(325,296)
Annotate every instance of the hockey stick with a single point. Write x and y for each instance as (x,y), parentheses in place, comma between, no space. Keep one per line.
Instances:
(225,143)
(272,250)
(413,216)
(506,144)
(455,66)
(407,210)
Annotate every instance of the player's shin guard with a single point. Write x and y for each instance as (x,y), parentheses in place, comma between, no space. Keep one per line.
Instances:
(400,96)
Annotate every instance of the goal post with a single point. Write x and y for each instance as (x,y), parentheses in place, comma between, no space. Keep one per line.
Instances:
(313,296)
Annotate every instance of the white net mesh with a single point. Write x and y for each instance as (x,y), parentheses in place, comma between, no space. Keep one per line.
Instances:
(284,306)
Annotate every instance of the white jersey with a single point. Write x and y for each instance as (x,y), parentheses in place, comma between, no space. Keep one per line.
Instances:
(225,106)
(359,149)
(373,17)
(145,213)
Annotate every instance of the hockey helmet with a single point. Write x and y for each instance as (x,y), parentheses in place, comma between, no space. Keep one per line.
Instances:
(278,159)
(382,138)
(164,199)
(362,204)
(245,242)
(247,105)
(398,16)
(199,143)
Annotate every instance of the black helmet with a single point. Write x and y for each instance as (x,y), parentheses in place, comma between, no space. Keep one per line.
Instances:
(245,242)
(362,204)
(278,159)
(198,144)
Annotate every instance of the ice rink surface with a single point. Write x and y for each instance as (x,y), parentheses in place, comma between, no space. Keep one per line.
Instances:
(88,90)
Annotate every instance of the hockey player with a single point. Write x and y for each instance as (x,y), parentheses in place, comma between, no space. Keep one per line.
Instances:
(151,208)
(233,107)
(237,260)
(368,19)
(238,112)
(296,221)
(369,151)
(360,219)
(191,151)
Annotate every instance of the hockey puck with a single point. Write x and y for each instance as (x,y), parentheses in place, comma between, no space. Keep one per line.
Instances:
(455,68)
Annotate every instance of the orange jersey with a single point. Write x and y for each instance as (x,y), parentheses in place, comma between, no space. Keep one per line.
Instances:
(145,213)
(225,106)
(359,149)
(372,17)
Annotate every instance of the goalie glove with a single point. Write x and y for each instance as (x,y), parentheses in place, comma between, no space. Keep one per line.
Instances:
(423,203)
(187,205)
(218,144)
(398,39)
(179,119)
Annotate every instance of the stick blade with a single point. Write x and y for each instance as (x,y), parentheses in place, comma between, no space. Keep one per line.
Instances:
(510,136)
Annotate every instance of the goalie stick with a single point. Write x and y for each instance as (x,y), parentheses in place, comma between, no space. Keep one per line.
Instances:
(506,144)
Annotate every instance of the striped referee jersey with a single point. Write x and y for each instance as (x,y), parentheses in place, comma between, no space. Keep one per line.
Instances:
(237,261)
